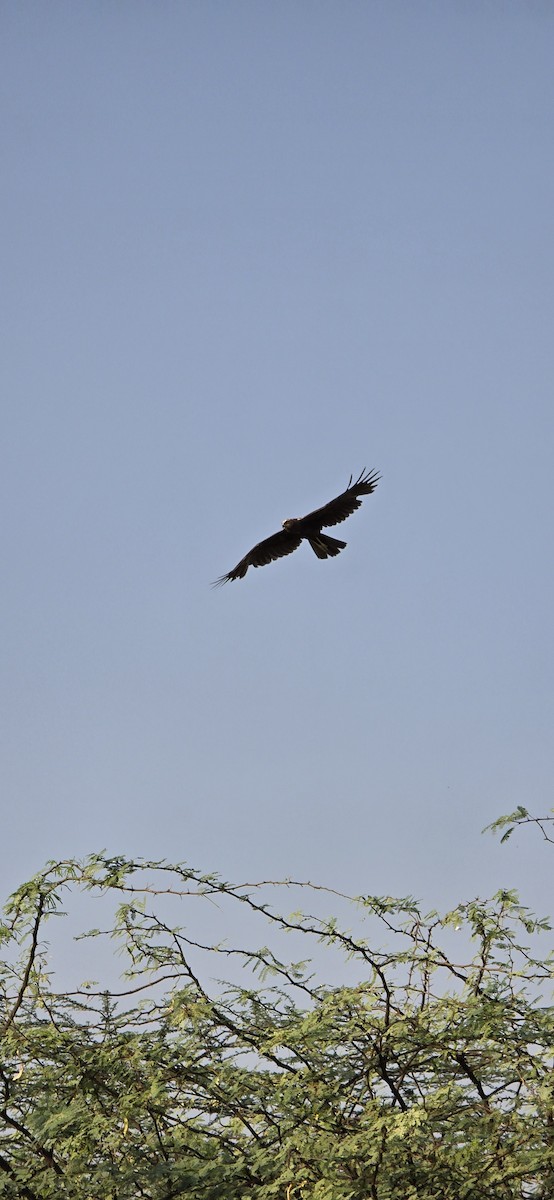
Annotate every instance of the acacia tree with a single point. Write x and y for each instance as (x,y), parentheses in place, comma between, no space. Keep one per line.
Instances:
(426,1074)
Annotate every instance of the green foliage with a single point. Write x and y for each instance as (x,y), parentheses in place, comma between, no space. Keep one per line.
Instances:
(425,1075)
(521,816)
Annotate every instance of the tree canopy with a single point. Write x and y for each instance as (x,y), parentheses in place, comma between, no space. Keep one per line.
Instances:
(425,1072)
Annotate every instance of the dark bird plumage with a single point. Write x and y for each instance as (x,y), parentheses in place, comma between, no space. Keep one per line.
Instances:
(308,527)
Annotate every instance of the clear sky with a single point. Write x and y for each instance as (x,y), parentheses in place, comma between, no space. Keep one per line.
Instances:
(248,249)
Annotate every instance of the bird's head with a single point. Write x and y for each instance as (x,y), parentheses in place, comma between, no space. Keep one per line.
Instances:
(290,521)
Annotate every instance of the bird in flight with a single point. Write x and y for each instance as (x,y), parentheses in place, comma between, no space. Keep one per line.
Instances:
(296,529)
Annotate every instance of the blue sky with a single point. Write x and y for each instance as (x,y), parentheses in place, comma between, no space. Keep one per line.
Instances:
(249,249)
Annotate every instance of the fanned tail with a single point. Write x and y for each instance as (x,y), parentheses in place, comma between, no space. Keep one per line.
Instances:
(325,546)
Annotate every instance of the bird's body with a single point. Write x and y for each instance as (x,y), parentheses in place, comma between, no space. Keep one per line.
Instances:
(296,529)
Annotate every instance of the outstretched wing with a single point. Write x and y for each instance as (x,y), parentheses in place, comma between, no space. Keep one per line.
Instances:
(276,546)
(342,506)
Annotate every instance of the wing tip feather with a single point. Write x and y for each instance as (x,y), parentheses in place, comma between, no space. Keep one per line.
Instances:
(368,479)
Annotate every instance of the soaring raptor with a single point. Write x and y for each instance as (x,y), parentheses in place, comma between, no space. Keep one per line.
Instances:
(296,529)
